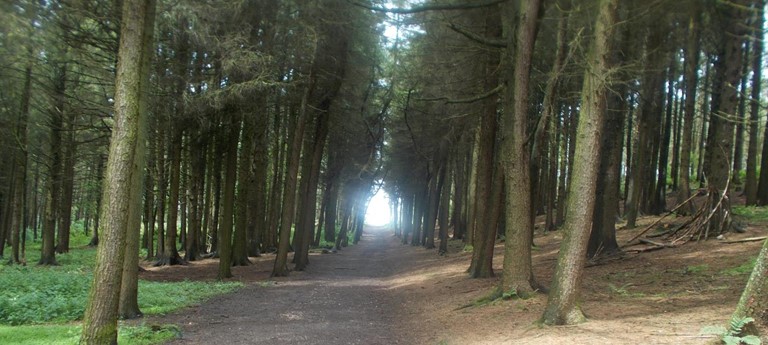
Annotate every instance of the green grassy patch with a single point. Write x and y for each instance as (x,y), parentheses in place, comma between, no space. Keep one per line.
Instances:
(56,294)
(41,294)
(70,334)
(623,291)
(696,269)
(743,269)
(162,297)
(752,213)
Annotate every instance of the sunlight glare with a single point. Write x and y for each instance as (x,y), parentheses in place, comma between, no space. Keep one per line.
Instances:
(378,210)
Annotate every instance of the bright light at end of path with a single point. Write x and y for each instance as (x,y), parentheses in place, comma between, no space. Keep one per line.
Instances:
(378,210)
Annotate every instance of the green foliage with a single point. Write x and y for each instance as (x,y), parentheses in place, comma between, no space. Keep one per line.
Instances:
(624,290)
(33,294)
(147,335)
(752,213)
(743,269)
(509,295)
(164,297)
(696,269)
(70,334)
(733,335)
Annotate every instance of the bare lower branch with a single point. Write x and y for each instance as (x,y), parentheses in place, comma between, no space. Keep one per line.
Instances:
(488,41)
(473,99)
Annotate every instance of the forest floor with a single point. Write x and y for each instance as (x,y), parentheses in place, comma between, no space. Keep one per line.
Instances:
(382,292)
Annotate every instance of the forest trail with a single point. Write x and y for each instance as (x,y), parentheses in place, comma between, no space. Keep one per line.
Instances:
(382,292)
(341,299)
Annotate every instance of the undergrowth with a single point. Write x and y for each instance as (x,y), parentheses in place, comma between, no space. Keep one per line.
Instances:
(42,304)
(70,334)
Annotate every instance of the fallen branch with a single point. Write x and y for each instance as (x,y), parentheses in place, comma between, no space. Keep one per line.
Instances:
(748,239)
(646,249)
(654,243)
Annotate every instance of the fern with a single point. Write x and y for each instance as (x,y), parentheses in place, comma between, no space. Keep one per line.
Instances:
(732,335)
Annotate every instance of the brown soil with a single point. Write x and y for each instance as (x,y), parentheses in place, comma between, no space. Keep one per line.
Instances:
(381,292)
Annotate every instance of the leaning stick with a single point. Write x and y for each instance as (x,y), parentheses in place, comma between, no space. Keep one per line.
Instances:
(662,217)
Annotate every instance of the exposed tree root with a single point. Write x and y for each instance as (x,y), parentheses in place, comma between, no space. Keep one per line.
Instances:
(170,261)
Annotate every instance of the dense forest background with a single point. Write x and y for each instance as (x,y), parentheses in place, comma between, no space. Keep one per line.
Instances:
(267,126)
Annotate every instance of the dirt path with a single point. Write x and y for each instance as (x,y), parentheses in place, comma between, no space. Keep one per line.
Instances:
(341,299)
(381,292)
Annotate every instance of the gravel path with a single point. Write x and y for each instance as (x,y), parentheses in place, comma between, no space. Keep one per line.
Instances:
(341,299)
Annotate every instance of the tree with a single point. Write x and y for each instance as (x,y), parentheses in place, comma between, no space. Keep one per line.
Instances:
(124,166)
(518,270)
(754,299)
(719,152)
(691,80)
(562,306)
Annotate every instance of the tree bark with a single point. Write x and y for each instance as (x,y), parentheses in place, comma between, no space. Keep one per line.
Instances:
(691,81)
(518,276)
(725,99)
(247,143)
(53,183)
(751,186)
(129,287)
(754,299)
(227,214)
(20,161)
(100,320)
(562,306)
(644,162)
(484,228)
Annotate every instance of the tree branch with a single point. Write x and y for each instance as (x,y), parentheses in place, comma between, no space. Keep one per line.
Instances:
(496,43)
(431,7)
(473,99)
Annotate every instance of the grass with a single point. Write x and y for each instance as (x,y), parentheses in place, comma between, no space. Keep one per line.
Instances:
(752,213)
(70,334)
(43,304)
(743,269)
(163,297)
(696,269)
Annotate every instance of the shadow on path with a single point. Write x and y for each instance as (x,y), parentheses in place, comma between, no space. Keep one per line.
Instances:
(340,299)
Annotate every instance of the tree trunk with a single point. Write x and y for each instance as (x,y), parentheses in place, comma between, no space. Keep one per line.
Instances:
(484,226)
(562,306)
(67,176)
(196,185)
(705,110)
(721,130)
(518,276)
(53,184)
(659,202)
(444,209)
(280,268)
(738,145)
(751,187)
(170,254)
(247,143)
(691,81)
(19,172)
(227,213)
(644,162)
(258,203)
(432,203)
(309,206)
(754,300)
(123,168)
(129,288)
